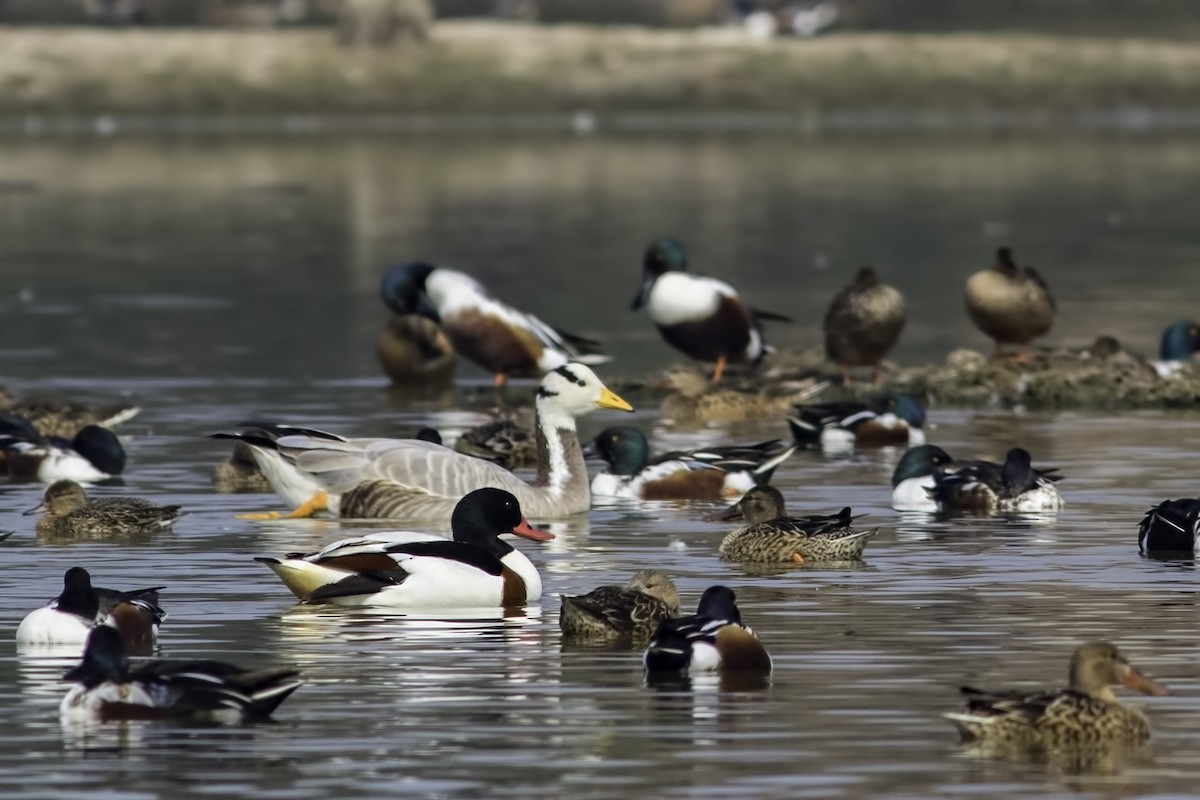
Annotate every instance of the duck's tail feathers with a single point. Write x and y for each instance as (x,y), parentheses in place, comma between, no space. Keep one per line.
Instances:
(270,687)
(763,472)
(115,415)
(805,432)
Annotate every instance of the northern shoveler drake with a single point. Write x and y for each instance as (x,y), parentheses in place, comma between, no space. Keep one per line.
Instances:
(863,324)
(912,481)
(770,535)
(65,419)
(70,617)
(634,609)
(1086,714)
(69,512)
(891,420)
(702,317)
(1009,304)
(94,454)
(1173,526)
(1179,341)
(413,350)
(410,479)
(694,401)
(107,689)
(503,441)
(704,474)
(501,339)
(990,487)
(714,638)
(475,569)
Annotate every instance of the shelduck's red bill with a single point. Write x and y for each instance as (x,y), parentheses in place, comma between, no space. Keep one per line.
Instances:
(529,532)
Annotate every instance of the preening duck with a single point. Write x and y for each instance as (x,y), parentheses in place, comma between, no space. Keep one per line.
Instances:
(1009,304)
(912,480)
(1173,526)
(1014,486)
(503,441)
(770,535)
(863,324)
(634,609)
(64,418)
(704,474)
(107,689)
(413,570)
(413,350)
(702,317)
(1085,715)
(70,617)
(889,420)
(239,472)
(94,454)
(69,512)
(714,638)
(410,479)
(501,339)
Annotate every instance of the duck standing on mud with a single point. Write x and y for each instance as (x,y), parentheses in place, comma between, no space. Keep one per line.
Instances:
(863,324)
(1012,305)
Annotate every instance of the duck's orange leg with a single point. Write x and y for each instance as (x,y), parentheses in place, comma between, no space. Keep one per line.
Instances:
(317,503)
(799,559)
(720,369)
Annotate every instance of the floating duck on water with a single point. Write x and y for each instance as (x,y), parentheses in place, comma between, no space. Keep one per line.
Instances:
(409,479)
(1009,304)
(412,570)
(1179,341)
(69,512)
(94,454)
(702,474)
(1173,526)
(504,441)
(80,607)
(106,688)
(634,609)
(1014,486)
(1084,715)
(863,324)
(65,418)
(912,480)
(494,335)
(702,317)
(895,419)
(712,639)
(770,535)
(412,348)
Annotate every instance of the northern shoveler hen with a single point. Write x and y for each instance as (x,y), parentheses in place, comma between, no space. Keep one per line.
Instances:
(503,441)
(240,472)
(1009,304)
(65,419)
(70,617)
(890,420)
(94,454)
(986,486)
(107,689)
(1179,341)
(912,480)
(770,535)
(702,317)
(703,474)
(1086,714)
(1173,526)
(863,324)
(694,401)
(494,335)
(69,512)
(714,638)
(411,570)
(634,609)
(410,479)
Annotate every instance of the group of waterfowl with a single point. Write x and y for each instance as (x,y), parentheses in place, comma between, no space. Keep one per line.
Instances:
(440,313)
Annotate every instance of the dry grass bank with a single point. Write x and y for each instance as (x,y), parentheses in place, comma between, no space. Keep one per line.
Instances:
(474,67)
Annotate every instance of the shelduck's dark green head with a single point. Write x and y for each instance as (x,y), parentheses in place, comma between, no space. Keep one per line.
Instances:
(403,289)
(625,450)
(665,254)
(1179,341)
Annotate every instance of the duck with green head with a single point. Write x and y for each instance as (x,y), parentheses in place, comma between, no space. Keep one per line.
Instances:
(1179,341)
(989,487)
(712,639)
(894,419)
(702,317)
(413,350)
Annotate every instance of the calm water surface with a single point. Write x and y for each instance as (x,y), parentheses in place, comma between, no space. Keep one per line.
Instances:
(215,280)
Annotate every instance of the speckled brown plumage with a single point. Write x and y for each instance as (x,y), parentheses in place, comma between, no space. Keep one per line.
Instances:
(772,536)
(240,473)
(69,512)
(414,351)
(65,419)
(1009,304)
(634,609)
(863,322)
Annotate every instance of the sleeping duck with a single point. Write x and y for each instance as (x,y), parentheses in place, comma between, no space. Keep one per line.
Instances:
(1009,304)
(107,689)
(985,486)
(475,569)
(704,474)
(70,513)
(94,454)
(410,479)
(712,639)
(634,609)
(702,317)
(770,535)
(499,338)
(863,324)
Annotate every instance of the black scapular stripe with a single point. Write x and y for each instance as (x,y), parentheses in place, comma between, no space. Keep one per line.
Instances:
(467,554)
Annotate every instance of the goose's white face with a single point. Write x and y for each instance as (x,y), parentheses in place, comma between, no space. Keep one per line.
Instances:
(574,390)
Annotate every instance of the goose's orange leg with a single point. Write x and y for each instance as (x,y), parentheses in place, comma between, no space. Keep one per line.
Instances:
(317,503)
